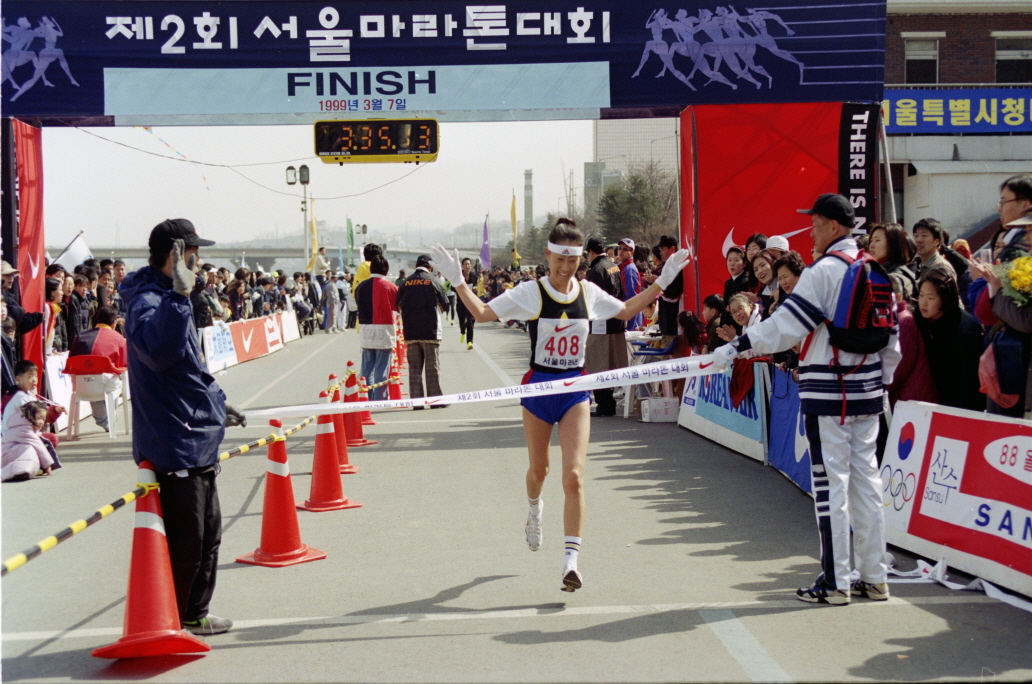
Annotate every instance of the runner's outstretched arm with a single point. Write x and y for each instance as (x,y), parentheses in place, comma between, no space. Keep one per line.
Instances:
(639,301)
(450,268)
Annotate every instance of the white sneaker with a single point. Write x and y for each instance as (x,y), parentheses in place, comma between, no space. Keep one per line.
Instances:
(535,535)
(572,580)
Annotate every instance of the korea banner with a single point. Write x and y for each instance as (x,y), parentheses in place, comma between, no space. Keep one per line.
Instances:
(958,485)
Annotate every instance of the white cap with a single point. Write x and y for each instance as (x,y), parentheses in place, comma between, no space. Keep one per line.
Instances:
(778,242)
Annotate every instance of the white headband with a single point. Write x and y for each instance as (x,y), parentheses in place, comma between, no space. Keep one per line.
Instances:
(565,250)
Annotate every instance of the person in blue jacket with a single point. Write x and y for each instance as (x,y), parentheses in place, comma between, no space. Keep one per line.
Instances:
(179,414)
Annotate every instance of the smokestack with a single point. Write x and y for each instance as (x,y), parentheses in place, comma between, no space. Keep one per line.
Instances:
(528,200)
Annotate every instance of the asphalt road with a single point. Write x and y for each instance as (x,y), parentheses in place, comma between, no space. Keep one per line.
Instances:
(691,556)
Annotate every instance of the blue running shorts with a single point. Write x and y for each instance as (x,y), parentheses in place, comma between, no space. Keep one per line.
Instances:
(553,407)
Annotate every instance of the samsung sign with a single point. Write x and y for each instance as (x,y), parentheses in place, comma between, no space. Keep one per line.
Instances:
(292,62)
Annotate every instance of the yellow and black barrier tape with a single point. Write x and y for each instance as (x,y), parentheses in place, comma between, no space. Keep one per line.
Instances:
(41,547)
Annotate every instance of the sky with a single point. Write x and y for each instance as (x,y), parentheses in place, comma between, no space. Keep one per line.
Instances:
(116,193)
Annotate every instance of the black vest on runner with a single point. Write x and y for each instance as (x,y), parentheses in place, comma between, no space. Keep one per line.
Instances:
(559,334)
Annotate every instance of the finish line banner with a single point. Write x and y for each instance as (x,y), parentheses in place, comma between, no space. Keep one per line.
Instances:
(208,62)
(651,372)
(958,484)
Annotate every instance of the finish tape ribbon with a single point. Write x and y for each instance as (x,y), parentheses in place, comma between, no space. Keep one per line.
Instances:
(634,375)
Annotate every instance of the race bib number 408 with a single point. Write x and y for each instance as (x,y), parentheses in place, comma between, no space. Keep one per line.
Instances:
(561,342)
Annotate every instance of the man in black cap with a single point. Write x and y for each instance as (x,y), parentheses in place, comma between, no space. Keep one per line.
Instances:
(179,414)
(420,300)
(842,394)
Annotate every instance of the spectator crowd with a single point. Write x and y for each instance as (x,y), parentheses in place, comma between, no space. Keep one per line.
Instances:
(965,318)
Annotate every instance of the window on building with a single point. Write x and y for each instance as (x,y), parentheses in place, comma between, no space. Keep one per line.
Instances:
(1014,60)
(922,60)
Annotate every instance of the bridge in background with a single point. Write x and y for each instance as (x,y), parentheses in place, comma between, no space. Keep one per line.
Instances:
(289,258)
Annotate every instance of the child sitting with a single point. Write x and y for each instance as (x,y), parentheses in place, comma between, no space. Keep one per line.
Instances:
(25,454)
(26,377)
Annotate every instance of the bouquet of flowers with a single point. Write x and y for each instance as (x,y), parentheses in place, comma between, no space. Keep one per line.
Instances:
(1017,280)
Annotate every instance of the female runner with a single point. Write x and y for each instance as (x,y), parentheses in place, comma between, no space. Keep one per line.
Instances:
(558,308)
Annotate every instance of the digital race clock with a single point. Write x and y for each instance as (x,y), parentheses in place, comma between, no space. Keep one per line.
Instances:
(376,140)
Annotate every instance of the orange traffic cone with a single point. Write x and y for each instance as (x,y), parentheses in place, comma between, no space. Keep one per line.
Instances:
(151,616)
(394,386)
(281,537)
(352,421)
(327,493)
(341,435)
(363,395)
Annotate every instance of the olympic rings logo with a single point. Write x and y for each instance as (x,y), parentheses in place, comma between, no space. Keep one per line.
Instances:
(900,488)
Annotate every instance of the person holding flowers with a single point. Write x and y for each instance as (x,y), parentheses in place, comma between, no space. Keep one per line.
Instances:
(1009,288)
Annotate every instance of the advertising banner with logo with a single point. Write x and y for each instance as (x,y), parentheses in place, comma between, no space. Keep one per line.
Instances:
(747,168)
(211,62)
(957,110)
(788,451)
(219,351)
(249,339)
(28,145)
(958,484)
(715,417)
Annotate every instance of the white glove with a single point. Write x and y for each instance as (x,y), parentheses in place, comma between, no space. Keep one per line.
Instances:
(671,267)
(183,278)
(723,355)
(447,265)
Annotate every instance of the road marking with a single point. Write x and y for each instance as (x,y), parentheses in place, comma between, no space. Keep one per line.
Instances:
(502,375)
(275,382)
(741,645)
(524,613)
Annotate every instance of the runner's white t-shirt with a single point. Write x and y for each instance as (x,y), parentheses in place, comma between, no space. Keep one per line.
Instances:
(523,302)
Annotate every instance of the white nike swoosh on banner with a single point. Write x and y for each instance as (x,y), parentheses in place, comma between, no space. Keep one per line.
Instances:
(33,265)
(729,240)
(247,341)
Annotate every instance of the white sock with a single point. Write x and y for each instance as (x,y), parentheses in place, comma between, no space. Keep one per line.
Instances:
(572,549)
(536,506)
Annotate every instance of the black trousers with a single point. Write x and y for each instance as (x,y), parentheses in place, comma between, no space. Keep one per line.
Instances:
(466,321)
(605,403)
(193,527)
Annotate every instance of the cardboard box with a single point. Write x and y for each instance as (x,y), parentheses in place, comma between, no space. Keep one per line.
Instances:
(660,409)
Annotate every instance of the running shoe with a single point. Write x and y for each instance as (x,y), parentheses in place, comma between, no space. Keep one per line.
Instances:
(818,593)
(208,625)
(535,535)
(462,338)
(572,580)
(875,592)
(469,346)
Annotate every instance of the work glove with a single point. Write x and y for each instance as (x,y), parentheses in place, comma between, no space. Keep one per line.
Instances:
(449,266)
(672,266)
(723,355)
(234,417)
(183,278)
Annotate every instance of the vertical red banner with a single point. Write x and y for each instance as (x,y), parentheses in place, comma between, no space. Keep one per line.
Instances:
(746,169)
(28,143)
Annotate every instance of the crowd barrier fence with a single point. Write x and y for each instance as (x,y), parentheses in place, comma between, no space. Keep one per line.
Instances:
(957,483)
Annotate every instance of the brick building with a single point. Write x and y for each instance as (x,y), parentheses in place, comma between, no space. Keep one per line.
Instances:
(968,64)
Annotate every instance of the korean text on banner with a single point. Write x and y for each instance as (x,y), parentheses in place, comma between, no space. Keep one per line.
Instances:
(958,484)
(957,110)
(141,61)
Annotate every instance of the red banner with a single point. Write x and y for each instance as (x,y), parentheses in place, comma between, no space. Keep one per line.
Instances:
(746,169)
(250,338)
(28,143)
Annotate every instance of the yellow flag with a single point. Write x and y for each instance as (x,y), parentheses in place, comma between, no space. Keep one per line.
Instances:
(315,237)
(515,238)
